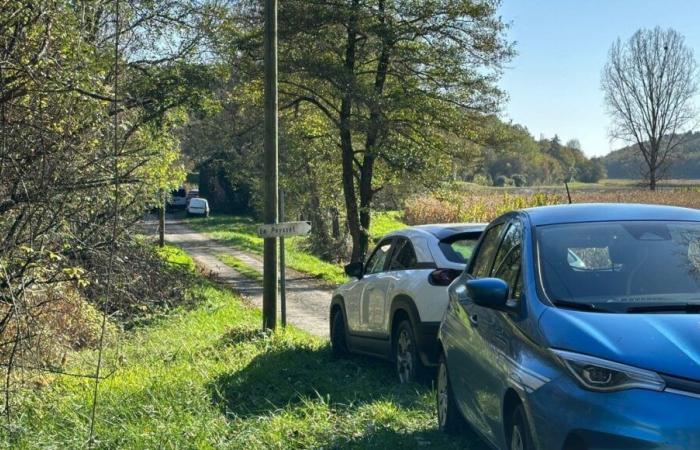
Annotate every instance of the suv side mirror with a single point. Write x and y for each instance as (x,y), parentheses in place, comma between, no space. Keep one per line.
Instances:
(489,293)
(355,270)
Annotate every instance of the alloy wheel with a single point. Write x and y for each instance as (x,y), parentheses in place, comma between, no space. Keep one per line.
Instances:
(404,357)
(443,399)
(516,439)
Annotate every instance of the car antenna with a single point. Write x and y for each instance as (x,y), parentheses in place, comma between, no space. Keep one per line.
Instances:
(568,194)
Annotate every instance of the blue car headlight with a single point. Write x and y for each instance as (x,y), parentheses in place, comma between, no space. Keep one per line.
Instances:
(602,375)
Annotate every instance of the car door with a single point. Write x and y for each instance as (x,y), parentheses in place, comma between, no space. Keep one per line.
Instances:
(467,345)
(354,296)
(401,272)
(370,291)
(493,332)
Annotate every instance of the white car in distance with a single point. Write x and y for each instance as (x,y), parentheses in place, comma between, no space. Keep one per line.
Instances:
(393,307)
(198,207)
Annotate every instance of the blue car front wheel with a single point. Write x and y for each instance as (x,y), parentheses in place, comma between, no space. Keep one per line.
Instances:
(450,420)
(519,436)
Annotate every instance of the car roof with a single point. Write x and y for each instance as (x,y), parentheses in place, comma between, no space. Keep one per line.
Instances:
(602,212)
(198,200)
(439,230)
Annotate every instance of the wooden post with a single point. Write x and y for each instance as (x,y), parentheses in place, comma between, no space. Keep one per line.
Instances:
(270,213)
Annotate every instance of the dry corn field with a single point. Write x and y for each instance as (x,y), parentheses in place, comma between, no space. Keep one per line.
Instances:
(465,207)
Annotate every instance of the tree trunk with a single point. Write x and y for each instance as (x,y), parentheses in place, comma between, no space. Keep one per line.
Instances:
(652,178)
(161,225)
(374,127)
(348,156)
(653,164)
(366,201)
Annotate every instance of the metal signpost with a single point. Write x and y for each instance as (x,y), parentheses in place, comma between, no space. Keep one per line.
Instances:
(280,230)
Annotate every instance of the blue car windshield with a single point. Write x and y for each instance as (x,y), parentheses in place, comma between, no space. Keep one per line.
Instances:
(619,266)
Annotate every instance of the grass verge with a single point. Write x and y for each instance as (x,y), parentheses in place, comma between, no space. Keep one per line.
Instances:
(240,232)
(208,378)
(243,268)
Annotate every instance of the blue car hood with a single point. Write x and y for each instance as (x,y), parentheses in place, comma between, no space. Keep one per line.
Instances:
(665,343)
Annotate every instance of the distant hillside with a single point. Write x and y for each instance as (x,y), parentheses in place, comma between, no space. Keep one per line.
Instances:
(627,162)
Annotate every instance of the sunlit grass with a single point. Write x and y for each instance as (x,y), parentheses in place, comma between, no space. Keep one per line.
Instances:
(209,378)
(243,268)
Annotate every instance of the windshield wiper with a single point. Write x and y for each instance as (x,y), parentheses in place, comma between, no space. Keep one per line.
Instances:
(671,307)
(580,306)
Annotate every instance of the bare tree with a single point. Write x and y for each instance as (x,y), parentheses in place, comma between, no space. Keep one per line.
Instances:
(649,83)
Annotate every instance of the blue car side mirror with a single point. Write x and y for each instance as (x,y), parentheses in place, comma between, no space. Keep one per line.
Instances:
(355,270)
(489,293)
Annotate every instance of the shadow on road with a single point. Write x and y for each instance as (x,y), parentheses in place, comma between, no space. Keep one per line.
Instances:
(283,380)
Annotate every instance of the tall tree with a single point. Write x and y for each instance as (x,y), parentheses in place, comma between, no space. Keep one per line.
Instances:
(396,80)
(649,83)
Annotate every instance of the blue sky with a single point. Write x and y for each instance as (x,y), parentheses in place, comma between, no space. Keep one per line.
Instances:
(553,83)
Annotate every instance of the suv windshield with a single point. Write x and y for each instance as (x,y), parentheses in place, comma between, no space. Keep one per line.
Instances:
(620,266)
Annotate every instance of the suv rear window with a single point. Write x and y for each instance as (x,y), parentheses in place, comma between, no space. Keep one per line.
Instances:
(459,248)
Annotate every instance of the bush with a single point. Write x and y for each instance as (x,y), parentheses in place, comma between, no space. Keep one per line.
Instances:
(481,179)
(502,181)
(519,180)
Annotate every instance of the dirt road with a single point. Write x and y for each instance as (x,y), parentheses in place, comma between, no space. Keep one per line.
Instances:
(307,298)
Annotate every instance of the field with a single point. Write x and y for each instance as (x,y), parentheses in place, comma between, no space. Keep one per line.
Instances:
(206,377)
(484,206)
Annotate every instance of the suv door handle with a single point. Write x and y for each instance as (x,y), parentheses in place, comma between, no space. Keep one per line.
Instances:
(474,319)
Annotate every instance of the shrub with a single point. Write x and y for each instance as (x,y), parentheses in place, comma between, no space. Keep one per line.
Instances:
(502,180)
(481,179)
(519,180)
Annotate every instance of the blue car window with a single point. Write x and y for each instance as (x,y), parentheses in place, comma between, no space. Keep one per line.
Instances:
(511,239)
(486,252)
(509,271)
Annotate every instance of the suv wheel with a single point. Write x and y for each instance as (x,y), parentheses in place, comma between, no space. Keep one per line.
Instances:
(408,365)
(339,345)
(519,438)
(449,418)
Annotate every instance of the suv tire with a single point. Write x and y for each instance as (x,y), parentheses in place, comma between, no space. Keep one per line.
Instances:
(408,364)
(339,344)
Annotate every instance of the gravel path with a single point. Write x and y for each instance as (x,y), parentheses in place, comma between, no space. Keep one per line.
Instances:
(307,298)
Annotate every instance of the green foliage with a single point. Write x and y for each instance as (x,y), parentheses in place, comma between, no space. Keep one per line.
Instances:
(177,258)
(384,222)
(510,150)
(628,163)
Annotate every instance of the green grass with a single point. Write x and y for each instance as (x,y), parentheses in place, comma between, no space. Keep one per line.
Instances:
(177,257)
(208,378)
(240,232)
(384,222)
(245,269)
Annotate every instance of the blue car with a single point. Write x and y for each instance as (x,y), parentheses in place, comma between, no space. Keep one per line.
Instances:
(577,327)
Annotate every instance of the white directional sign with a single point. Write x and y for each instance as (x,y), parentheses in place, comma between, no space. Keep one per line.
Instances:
(284,229)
